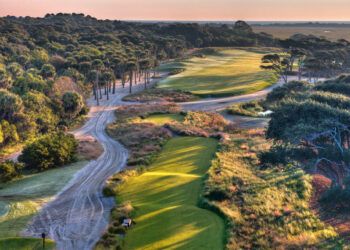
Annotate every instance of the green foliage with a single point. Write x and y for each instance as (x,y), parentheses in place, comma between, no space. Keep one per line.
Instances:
(72,103)
(29,81)
(47,70)
(10,105)
(39,57)
(40,109)
(252,108)
(9,132)
(9,170)
(52,150)
(287,90)
(293,120)
(336,199)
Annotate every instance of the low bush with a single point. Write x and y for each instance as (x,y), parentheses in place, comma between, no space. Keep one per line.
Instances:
(211,122)
(52,150)
(108,191)
(186,130)
(10,170)
(246,109)
(337,197)
(113,237)
(143,140)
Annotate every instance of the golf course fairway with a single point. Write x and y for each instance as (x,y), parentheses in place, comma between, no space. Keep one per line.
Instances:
(226,72)
(165,200)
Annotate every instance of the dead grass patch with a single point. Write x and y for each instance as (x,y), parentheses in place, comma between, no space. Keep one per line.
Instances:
(89,149)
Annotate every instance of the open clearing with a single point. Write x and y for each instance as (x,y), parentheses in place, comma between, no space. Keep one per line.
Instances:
(21,199)
(227,72)
(25,244)
(165,199)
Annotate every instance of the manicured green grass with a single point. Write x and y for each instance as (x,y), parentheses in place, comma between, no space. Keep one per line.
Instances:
(226,73)
(21,199)
(25,244)
(165,199)
(161,119)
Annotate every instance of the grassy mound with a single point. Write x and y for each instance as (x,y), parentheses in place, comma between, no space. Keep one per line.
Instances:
(25,244)
(165,199)
(226,73)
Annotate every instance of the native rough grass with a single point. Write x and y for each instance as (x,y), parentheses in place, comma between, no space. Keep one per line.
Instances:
(266,208)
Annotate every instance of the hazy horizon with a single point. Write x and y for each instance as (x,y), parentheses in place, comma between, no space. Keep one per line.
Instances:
(186,10)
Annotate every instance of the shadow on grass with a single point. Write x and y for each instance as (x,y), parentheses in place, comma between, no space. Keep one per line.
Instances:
(165,201)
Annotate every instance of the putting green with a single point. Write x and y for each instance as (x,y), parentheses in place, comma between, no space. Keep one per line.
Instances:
(165,199)
(228,72)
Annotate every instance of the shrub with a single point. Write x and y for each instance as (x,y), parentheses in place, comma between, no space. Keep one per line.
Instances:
(246,109)
(72,104)
(217,194)
(108,191)
(205,120)
(337,197)
(276,155)
(9,170)
(10,105)
(50,151)
(287,89)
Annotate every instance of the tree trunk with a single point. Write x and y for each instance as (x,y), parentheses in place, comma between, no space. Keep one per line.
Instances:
(96,89)
(123,79)
(130,85)
(107,90)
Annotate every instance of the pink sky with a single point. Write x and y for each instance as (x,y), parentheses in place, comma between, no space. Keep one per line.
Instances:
(185,9)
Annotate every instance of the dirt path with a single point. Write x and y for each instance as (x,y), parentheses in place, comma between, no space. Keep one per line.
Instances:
(218,104)
(77,216)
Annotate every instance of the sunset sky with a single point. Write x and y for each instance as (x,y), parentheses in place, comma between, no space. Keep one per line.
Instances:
(257,10)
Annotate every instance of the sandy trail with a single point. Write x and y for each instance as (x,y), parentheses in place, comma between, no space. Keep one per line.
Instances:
(77,216)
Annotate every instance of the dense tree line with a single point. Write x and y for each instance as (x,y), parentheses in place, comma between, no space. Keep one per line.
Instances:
(310,125)
(309,56)
(53,150)
(36,52)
